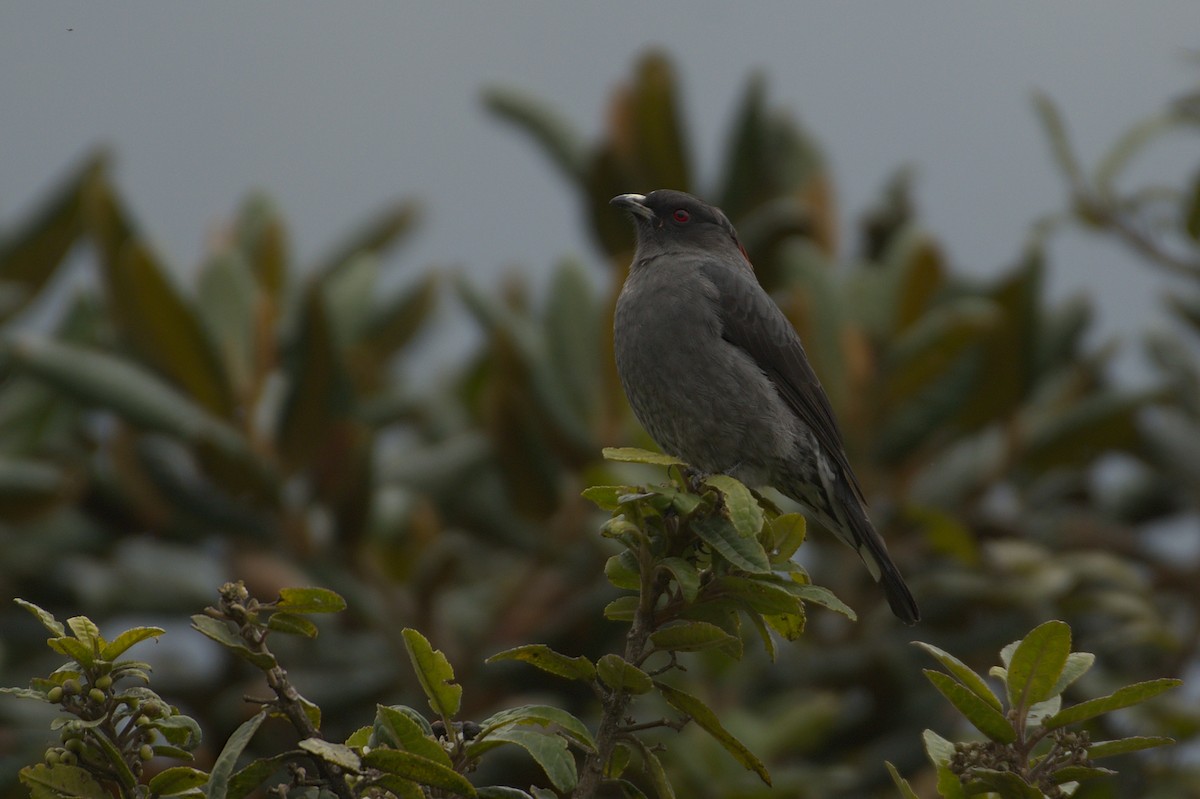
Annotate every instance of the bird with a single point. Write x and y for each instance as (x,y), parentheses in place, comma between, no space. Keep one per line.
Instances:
(718,377)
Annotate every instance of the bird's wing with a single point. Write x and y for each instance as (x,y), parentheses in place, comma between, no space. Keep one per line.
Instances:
(751,321)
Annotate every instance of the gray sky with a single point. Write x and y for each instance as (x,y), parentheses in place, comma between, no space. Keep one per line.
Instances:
(334,108)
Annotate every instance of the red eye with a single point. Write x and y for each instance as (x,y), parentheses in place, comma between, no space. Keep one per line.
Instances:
(681,215)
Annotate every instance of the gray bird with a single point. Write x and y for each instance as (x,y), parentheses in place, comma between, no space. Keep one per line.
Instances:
(717,375)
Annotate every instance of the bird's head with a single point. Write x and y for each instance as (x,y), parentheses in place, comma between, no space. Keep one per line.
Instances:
(672,221)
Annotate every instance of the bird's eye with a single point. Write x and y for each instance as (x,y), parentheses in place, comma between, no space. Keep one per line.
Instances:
(681,215)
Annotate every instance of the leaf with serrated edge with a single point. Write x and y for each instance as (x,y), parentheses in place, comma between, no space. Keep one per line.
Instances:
(87,632)
(703,715)
(1037,663)
(434,673)
(963,673)
(980,713)
(546,659)
(1124,697)
(44,616)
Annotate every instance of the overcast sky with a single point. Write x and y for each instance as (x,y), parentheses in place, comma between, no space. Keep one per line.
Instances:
(334,108)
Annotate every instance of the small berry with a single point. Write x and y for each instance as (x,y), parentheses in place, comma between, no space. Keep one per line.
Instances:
(74,745)
(51,757)
(103,682)
(96,695)
(55,694)
(146,752)
(68,758)
(142,720)
(70,687)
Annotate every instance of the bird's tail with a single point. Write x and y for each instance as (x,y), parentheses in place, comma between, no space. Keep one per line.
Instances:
(869,545)
(844,515)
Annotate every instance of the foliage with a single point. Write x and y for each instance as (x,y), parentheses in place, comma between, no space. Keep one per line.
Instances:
(694,564)
(264,420)
(1030,752)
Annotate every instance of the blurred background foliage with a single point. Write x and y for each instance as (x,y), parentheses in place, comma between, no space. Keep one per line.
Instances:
(158,439)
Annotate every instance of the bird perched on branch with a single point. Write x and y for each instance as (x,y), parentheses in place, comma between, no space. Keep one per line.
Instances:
(717,375)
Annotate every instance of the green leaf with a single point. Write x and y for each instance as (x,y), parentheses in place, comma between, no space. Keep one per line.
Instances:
(620,675)
(1056,132)
(434,673)
(403,728)
(248,778)
(940,751)
(686,575)
(377,236)
(1123,746)
(261,236)
(1005,783)
(394,322)
(1079,774)
(635,455)
(179,730)
(708,721)
(787,534)
(763,595)
(744,510)
(982,714)
(622,609)
(550,752)
(222,634)
(504,792)
(87,632)
(73,648)
(25,693)
(974,683)
(418,769)
(546,659)
(606,497)
(542,715)
(117,647)
(44,616)
(745,553)
(1078,664)
(318,390)
(292,624)
(690,636)
(819,595)
(1191,223)
(223,767)
(176,780)
(112,383)
(906,791)
(558,141)
(339,755)
(164,329)
(622,571)
(656,772)
(31,256)
(1124,697)
(61,782)
(310,600)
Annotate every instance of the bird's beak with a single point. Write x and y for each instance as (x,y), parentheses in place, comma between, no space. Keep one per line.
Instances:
(634,204)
